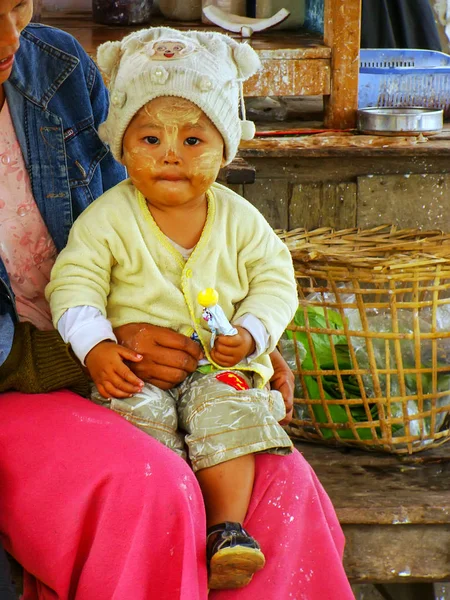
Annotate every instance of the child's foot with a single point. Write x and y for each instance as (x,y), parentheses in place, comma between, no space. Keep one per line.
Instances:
(233,556)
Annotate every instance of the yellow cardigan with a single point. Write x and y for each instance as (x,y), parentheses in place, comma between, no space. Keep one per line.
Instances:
(118,260)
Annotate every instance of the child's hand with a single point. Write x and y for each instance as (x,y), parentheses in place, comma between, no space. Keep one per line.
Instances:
(229,350)
(110,374)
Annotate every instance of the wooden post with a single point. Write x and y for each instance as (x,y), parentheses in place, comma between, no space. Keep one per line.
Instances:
(342,33)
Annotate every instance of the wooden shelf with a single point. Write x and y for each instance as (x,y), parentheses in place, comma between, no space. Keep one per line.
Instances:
(347,145)
(295,63)
(283,44)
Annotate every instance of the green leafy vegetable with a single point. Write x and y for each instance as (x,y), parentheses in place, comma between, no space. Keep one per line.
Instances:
(315,318)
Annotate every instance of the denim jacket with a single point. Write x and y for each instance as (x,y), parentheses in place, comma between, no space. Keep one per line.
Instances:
(57,100)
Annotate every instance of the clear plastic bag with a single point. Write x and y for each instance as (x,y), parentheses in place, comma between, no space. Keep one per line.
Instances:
(386,355)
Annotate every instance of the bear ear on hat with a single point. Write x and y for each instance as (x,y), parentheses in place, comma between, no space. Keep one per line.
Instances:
(108,56)
(247,60)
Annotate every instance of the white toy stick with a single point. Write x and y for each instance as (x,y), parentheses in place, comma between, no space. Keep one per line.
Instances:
(214,315)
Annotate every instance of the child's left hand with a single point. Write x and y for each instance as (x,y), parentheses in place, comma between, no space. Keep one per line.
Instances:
(229,350)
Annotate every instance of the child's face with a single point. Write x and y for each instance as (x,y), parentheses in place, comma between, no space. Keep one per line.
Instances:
(172,152)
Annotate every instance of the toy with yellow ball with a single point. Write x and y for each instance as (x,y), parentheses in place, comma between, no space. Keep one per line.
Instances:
(208,297)
(214,315)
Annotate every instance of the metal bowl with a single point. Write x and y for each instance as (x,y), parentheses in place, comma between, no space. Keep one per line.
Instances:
(400,121)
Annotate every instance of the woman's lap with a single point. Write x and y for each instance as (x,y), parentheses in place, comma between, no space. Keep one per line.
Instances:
(293,519)
(89,500)
(86,497)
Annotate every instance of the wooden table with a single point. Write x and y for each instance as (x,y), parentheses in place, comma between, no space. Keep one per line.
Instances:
(294,63)
(395,512)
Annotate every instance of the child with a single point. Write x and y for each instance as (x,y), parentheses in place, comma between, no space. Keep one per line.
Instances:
(145,249)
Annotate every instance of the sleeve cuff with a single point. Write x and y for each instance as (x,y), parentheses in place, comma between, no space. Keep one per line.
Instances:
(83,327)
(86,338)
(258,331)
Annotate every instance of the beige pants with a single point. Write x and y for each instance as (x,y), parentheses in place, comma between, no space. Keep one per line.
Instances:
(221,422)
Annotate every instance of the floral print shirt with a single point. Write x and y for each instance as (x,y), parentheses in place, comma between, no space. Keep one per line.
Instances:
(26,247)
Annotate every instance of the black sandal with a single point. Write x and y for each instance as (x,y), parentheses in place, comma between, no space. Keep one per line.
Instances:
(233,556)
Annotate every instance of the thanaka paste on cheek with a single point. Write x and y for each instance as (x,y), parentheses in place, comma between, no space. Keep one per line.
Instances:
(206,165)
(138,159)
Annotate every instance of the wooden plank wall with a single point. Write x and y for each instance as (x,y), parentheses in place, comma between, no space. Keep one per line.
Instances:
(363,192)
(421,200)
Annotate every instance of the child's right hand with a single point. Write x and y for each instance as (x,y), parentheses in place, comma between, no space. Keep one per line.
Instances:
(110,374)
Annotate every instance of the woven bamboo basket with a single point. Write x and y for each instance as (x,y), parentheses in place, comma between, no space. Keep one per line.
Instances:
(370,343)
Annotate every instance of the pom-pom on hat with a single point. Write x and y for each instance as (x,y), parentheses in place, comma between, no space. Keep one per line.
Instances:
(206,68)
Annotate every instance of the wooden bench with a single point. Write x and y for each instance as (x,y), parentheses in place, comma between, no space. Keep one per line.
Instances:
(395,512)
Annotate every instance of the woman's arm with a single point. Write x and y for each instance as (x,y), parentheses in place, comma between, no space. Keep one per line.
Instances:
(168,357)
(40,362)
(283,381)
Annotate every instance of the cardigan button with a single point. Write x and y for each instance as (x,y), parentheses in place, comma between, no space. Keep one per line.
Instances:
(189,273)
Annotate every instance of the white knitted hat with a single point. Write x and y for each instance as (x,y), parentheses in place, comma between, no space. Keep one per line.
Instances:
(204,67)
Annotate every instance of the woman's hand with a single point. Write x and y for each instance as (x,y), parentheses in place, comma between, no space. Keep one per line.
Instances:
(168,357)
(283,381)
(105,363)
(229,350)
